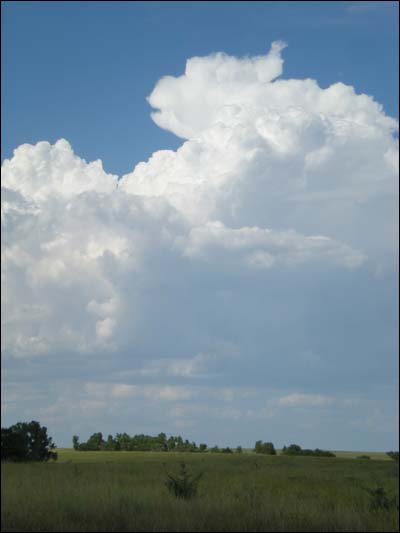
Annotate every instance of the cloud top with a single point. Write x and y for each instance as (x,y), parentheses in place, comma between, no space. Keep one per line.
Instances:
(219,86)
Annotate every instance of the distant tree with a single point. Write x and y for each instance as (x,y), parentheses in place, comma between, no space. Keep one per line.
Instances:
(394,456)
(264,447)
(162,442)
(27,441)
(171,443)
(123,440)
(179,444)
(95,442)
(215,449)
(110,444)
(75,442)
(226,450)
(239,449)
(202,447)
(295,449)
(321,453)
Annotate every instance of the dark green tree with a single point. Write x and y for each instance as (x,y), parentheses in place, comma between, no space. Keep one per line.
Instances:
(95,442)
(265,447)
(27,441)
(394,456)
(162,442)
(111,444)
(226,450)
(295,449)
(75,442)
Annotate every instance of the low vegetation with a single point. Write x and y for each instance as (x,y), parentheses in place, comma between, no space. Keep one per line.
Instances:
(127,491)
(217,489)
(183,485)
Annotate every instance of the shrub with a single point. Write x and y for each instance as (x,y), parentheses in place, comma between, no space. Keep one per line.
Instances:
(380,500)
(239,449)
(363,457)
(183,485)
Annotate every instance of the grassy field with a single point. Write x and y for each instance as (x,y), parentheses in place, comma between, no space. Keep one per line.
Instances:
(378,456)
(125,491)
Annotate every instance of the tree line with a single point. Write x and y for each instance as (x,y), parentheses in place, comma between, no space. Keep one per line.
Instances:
(143,443)
(161,443)
(28,441)
(268,448)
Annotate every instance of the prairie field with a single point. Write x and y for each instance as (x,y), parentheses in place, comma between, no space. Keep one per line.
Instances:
(126,491)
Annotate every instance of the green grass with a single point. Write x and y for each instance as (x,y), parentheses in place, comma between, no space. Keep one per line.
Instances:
(68,454)
(125,491)
(377,456)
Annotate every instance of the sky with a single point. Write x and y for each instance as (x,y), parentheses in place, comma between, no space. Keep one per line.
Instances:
(199,220)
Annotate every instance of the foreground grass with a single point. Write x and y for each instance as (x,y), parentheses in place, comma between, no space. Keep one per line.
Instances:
(124,491)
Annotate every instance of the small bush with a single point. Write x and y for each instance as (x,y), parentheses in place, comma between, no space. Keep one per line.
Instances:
(183,485)
(363,457)
(380,500)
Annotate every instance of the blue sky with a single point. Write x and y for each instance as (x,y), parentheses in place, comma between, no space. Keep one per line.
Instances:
(83,70)
(228,269)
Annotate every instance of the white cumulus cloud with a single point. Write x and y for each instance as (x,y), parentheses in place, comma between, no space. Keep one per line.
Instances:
(272,175)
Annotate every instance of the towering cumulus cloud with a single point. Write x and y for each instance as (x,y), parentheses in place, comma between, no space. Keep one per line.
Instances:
(196,256)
